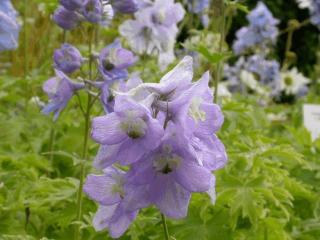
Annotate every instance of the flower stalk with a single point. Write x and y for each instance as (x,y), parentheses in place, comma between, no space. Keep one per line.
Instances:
(85,143)
(165,227)
(220,64)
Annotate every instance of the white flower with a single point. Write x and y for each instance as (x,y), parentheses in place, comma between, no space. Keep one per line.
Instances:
(223,91)
(248,79)
(304,3)
(292,81)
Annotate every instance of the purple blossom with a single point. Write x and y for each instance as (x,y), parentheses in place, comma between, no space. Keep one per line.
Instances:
(66,19)
(315,12)
(126,134)
(59,89)
(154,29)
(109,191)
(166,133)
(261,31)
(267,70)
(169,174)
(107,89)
(9,27)
(114,61)
(72,5)
(125,6)
(93,11)
(200,7)
(67,59)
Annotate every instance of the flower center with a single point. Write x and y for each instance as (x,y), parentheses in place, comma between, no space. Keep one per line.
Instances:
(117,188)
(195,112)
(107,65)
(147,32)
(288,81)
(135,127)
(166,162)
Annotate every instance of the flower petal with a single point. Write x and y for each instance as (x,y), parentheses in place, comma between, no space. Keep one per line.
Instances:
(171,198)
(100,189)
(193,177)
(106,130)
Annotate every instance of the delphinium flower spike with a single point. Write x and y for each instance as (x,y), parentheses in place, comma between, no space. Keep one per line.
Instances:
(154,30)
(261,32)
(71,13)
(60,90)
(167,138)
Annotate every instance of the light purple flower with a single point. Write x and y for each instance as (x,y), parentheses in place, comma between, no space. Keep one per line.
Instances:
(9,27)
(67,59)
(72,5)
(166,133)
(66,19)
(126,134)
(260,33)
(315,12)
(114,61)
(93,11)
(199,7)
(109,191)
(59,89)
(169,175)
(267,70)
(154,29)
(107,89)
(125,6)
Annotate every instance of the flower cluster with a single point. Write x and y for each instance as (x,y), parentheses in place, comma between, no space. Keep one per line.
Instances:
(166,133)
(113,62)
(9,27)
(247,74)
(260,33)
(71,13)
(315,12)
(200,7)
(154,30)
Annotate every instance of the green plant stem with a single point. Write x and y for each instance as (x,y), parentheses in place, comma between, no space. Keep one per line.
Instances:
(301,25)
(287,49)
(25,54)
(220,64)
(51,143)
(85,145)
(165,227)
(64,36)
(25,39)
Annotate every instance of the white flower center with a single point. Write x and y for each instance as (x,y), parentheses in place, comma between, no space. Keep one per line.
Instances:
(117,188)
(194,110)
(133,126)
(166,162)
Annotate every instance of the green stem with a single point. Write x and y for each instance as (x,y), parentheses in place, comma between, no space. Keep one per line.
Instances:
(25,39)
(165,227)
(51,143)
(85,146)
(301,25)
(220,64)
(287,49)
(64,36)
(25,54)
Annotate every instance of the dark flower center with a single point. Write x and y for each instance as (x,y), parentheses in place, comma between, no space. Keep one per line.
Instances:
(107,65)
(135,134)
(166,169)
(166,162)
